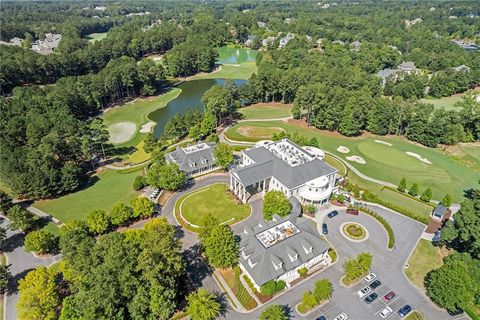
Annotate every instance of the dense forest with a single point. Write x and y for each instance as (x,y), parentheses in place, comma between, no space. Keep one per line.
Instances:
(331,83)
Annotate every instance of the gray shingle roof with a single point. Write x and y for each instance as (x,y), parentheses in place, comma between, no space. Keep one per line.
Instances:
(440,210)
(268,165)
(265,259)
(189,162)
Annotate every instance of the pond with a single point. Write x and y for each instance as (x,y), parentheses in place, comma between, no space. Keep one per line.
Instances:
(189,98)
(231,55)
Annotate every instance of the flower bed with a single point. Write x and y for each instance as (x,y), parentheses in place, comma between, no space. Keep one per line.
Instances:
(354,231)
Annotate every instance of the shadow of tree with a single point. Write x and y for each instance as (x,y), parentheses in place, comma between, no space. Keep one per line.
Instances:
(224,305)
(13,242)
(197,269)
(12,286)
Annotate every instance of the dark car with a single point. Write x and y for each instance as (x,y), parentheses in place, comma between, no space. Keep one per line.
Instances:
(352,211)
(404,310)
(389,296)
(321,318)
(375,284)
(437,236)
(324,228)
(332,214)
(372,297)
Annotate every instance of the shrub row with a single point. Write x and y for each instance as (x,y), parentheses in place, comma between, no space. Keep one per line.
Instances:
(272,287)
(372,197)
(383,222)
(241,293)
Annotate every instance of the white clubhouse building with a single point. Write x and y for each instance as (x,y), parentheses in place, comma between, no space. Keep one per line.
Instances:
(284,166)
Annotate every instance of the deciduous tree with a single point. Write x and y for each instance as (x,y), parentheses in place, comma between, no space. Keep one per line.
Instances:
(426,195)
(41,242)
(223,155)
(120,214)
(202,305)
(221,247)
(323,290)
(38,295)
(98,221)
(403,185)
(274,312)
(275,202)
(166,176)
(413,191)
(142,207)
(446,200)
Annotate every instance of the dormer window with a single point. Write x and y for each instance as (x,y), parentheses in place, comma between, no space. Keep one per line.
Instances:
(278,266)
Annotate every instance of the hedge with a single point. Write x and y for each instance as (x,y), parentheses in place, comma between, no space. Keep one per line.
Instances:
(383,222)
(372,197)
(272,287)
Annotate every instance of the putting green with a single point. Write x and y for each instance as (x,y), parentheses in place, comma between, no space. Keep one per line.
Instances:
(387,163)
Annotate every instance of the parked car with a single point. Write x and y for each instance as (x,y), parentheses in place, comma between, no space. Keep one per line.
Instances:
(375,284)
(321,318)
(404,310)
(370,298)
(385,312)
(324,228)
(361,293)
(370,277)
(389,296)
(437,236)
(352,211)
(341,316)
(332,214)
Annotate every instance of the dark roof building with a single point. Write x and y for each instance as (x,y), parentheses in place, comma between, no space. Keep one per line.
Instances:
(275,250)
(193,159)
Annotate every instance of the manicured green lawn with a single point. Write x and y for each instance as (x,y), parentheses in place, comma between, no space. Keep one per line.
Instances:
(415,316)
(258,133)
(471,150)
(111,188)
(96,36)
(337,164)
(446,103)
(229,71)
(388,163)
(425,258)
(52,227)
(215,200)
(137,112)
(139,155)
(266,111)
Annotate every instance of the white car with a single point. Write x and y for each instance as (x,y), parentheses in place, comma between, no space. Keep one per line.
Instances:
(370,277)
(341,316)
(385,312)
(363,292)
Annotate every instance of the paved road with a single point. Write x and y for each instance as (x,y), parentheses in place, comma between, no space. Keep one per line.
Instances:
(21,263)
(388,265)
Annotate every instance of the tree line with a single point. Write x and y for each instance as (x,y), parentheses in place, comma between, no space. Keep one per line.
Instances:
(332,92)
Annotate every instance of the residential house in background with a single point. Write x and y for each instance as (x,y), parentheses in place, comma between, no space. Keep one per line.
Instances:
(355,46)
(268,41)
(13,42)
(285,40)
(407,67)
(194,159)
(277,249)
(48,45)
(250,40)
(284,166)
(462,68)
(261,24)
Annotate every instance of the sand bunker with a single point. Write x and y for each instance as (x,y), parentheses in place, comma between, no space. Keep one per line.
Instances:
(383,142)
(147,127)
(121,132)
(356,159)
(419,157)
(343,149)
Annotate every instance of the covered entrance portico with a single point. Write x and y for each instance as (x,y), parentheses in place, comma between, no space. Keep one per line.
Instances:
(243,190)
